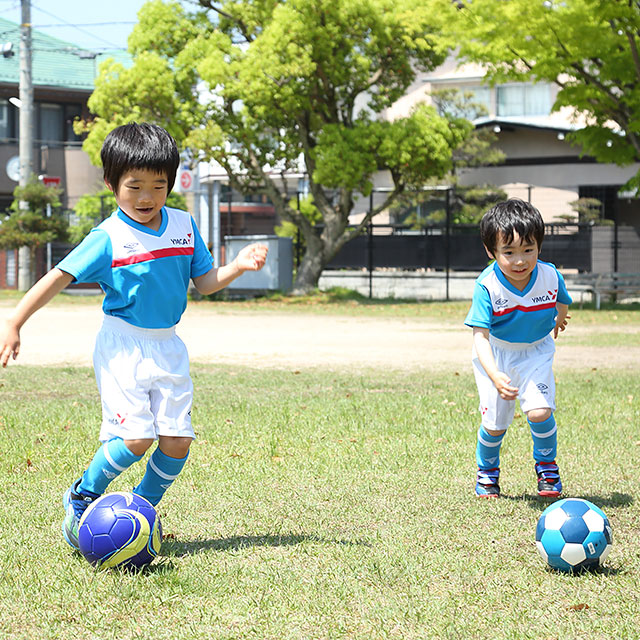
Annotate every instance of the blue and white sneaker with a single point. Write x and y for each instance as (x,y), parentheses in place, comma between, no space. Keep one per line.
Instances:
(487,483)
(74,504)
(549,484)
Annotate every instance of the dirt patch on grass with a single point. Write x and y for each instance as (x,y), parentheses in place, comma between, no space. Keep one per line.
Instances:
(64,335)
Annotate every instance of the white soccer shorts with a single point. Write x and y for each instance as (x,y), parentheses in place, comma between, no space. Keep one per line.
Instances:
(144,382)
(530,367)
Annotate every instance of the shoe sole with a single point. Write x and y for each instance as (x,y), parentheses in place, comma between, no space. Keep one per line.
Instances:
(549,494)
(487,495)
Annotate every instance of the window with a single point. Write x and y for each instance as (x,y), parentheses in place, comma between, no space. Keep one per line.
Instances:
(524,100)
(9,120)
(481,96)
(606,194)
(51,122)
(71,112)
(462,101)
(4,119)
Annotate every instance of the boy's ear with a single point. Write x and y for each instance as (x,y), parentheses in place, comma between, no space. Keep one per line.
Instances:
(489,252)
(109,186)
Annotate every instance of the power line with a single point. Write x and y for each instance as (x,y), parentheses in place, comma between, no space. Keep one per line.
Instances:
(111,44)
(88,24)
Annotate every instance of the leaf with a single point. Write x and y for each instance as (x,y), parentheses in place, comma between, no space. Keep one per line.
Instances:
(578,607)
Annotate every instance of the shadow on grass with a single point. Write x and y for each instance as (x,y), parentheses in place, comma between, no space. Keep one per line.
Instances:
(177,548)
(614,500)
(589,571)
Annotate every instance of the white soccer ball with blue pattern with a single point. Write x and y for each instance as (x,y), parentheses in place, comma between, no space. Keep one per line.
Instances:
(573,534)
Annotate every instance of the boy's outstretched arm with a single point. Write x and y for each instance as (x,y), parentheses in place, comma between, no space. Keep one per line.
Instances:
(42,291)
(561,318)
(485,354)
(251,258)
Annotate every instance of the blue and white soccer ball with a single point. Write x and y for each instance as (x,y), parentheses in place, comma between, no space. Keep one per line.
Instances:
(573,534)
(120,529)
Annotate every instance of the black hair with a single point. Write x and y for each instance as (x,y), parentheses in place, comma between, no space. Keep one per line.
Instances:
(139,146)
(508,218)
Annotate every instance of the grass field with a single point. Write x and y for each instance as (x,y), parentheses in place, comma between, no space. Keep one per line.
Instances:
(325,504)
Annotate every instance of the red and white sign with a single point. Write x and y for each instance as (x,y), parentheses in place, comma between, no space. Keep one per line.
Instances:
(51,181)
(186,180)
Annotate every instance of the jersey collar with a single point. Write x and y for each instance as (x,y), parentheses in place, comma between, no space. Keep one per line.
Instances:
(503,280)
(140,227)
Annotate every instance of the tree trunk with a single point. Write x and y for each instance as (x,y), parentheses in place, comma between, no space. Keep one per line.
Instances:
(320,250)
(309,273)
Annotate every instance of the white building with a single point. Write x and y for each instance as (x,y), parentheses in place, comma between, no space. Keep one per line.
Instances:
(540,164)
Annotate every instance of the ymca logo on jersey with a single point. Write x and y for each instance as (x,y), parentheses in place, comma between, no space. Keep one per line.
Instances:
(182,241)
(549,296)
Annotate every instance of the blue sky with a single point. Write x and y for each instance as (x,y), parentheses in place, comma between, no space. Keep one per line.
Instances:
(99,24)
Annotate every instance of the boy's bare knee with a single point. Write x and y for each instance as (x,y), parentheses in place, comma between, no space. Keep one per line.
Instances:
(138,447)
(494,433)
(539,415)
(175,446)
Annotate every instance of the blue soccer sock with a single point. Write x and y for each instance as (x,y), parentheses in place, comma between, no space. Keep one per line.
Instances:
(161,471)
(545,439)
(488,449)
(111,459)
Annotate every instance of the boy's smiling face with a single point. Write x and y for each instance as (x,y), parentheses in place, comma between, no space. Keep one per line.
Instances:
(141,194)
(516,259)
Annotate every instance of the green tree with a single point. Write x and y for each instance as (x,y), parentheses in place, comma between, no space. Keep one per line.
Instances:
(92,208)
(589,48)
(30,226)
(585,210)
(467,204)
(294,85)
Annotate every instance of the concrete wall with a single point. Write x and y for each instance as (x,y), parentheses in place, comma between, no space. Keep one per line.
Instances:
(403,284)
(418,286)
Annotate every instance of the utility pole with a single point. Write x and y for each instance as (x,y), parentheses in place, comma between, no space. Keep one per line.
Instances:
(25,145)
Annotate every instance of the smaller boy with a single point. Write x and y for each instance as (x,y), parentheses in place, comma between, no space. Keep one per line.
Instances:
(517,302)
(143,256)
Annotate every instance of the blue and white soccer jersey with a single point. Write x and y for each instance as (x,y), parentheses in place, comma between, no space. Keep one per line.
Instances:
(144,273)
(520,325)
(141,366)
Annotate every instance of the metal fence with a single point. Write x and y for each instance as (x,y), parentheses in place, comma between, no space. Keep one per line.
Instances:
(579,247)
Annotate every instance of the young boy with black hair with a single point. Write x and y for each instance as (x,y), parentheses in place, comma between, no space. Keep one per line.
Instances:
(518,302)
(143,256)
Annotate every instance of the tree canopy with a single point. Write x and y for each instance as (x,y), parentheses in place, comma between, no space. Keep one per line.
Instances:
(268,86)
(588,47)
(29,226)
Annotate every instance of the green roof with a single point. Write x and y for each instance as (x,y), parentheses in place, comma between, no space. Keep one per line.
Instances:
(55,63)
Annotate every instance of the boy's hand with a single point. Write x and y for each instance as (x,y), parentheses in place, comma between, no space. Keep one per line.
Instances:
(252,257)
(9,343)
(561,324)
(502,383)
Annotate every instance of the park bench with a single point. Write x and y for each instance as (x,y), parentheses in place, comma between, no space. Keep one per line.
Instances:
(614,285)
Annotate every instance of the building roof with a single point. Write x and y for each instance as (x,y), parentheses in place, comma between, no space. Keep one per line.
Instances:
(55,63)
(527,122)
